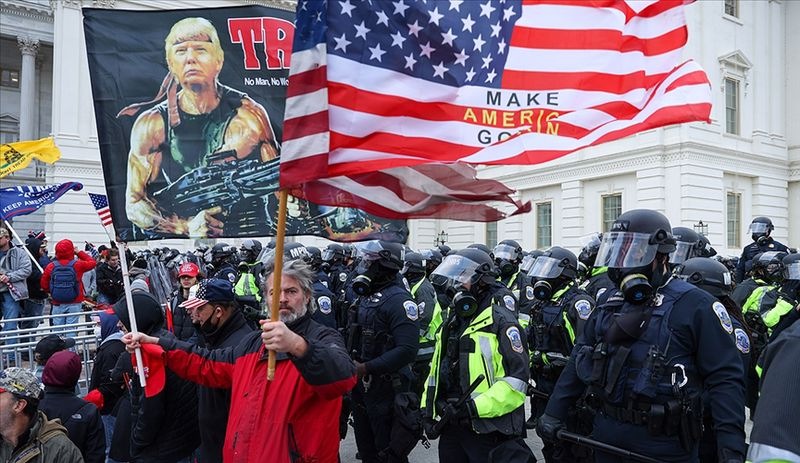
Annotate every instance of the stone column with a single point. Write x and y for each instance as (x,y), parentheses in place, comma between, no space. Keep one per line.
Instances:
(27,122)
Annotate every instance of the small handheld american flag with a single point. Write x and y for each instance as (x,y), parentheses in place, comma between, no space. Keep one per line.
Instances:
(100,203)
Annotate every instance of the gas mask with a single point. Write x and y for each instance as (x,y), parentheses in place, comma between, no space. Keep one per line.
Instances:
(638,284)
(542,290)
(464,302)
(507,268)
(370,276)
(761,240)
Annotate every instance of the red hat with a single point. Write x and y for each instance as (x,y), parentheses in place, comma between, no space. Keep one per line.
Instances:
(188,269)
(154,368)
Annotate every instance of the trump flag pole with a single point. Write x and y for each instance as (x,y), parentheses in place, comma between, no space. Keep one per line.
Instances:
(274,306)
(100,203)
(123,260)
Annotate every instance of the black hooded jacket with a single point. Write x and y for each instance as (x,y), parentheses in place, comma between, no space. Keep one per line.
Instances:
(213,404)
(163,428)
(34,279)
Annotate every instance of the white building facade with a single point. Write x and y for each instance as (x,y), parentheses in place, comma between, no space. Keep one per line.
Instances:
(745,163)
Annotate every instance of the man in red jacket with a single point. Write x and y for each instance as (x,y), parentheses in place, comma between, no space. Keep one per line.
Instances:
(293,417)
(67,296)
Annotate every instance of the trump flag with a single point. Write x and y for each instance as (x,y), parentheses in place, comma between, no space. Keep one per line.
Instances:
(387,87)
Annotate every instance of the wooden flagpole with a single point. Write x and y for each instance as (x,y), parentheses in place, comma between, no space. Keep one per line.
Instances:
(274,306)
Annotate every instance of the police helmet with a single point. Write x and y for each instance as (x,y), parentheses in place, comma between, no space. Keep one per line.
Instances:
(467,267)
(554,263)
(444,249)
(761,226)
(431,256)
(791,267)
(384,253)
(294,251)
(333,253)
(314,256)
(590,245)
(635,239)
(707,274)
(529,260)
(250,249)
(483,248)
(687,242)
(769,265)
(705,249)
(508,250)
(222,251)
(414,264)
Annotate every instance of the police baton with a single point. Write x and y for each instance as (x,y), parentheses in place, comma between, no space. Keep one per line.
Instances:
(436,429)
(603,447)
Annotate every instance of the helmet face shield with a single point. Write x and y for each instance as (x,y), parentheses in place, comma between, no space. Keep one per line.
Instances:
(527,263)
(371,251)
(758,228)
(327,255)
(457,269)
(682,252)
(505,251)
(792,271)
(546,267)
(591,240)
(625,250)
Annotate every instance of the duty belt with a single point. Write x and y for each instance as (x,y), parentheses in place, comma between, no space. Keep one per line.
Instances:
(636,415)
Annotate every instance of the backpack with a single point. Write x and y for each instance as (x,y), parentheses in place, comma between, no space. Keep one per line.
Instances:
(64,282)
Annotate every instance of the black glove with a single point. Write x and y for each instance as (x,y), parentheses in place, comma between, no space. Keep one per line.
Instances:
(730,456)
(428,426)
(547,427)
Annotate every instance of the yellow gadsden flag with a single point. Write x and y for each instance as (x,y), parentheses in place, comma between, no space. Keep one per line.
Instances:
(16,156)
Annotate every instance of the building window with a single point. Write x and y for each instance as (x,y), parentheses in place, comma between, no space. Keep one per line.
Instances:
(734,219)
(491,234)
(8,137)
(544,225)
(732,8)
(732,106)
(9,78)
(612,208)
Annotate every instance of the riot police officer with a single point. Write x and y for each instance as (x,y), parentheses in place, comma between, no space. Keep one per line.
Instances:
(507,257)
(383,337)
(223,262)
(687,245)
(481,345)
(598,284)
(526,298)
(760,231)
(714,278)
(430,314)
(247,288)
(649,352)
(315,260)
(557,318)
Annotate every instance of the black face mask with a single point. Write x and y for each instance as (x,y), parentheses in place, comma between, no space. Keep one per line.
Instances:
(207,328)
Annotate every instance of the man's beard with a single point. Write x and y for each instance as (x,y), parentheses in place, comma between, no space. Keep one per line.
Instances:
(293,316)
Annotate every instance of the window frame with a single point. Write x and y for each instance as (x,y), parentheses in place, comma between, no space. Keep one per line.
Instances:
(733,220)
(10,71)
(605,224)
(491,234)
(736,109)
(544,232)
(734,4)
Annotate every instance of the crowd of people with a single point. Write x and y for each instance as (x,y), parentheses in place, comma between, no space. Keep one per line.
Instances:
(645,344)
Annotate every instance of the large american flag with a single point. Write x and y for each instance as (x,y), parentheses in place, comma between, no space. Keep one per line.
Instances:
(100,203)
(377,85)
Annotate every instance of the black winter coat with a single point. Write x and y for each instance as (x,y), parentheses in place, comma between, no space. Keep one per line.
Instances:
(183,329)
(109,281)
(213,404)
(81,418)
(105,359)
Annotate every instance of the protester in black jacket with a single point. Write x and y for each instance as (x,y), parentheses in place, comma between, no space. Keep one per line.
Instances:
(81,418)
(109,279)
(104,391)
(163,427)
(33,306)
(220,324)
